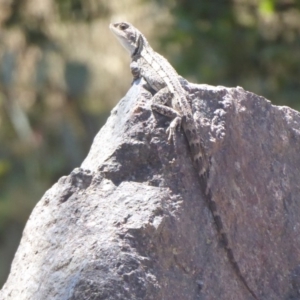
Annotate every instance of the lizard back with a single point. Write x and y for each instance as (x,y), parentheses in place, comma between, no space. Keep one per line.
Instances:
(158,64)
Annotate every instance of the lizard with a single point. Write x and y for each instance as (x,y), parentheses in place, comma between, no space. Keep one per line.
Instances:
(163,79)
(170,100)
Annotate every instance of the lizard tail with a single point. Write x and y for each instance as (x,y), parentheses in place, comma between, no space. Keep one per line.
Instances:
(224,240)
(199,156)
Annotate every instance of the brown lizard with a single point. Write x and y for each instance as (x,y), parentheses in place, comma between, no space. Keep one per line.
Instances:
(170,100)
(161,77)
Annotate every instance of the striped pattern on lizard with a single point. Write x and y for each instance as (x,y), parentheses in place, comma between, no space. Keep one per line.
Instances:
(170,100)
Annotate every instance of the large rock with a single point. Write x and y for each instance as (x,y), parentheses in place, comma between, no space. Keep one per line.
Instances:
(133,222)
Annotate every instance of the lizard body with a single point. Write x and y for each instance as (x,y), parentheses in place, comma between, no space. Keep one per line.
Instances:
(170,100)
(162,78)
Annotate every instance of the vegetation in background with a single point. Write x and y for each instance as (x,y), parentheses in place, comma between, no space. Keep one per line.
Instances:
(60,75)
(250,43)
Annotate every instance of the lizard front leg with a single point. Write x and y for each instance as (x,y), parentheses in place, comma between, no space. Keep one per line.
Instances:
(135,70)
(159,102)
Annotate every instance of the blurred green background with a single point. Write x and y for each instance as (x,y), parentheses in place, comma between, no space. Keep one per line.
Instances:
(61,72)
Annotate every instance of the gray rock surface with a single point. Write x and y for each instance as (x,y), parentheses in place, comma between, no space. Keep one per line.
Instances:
(133,221)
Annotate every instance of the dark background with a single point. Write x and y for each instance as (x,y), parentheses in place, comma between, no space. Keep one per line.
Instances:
(61,72)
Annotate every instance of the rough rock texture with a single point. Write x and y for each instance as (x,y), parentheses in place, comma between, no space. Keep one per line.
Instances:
(133,221)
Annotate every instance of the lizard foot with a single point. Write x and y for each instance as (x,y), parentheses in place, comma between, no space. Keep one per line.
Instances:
(176,123)
(135,70)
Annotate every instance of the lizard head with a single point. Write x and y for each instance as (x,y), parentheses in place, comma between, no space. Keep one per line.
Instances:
(127,35)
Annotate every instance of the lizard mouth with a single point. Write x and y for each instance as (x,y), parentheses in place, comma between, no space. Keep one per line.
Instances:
(121,36)
(113,28)
(116,31)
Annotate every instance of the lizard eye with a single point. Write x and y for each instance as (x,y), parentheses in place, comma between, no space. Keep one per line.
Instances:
(123,26)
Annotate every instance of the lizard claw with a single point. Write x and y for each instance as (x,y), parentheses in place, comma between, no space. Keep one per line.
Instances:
(176,123)
(170,132)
